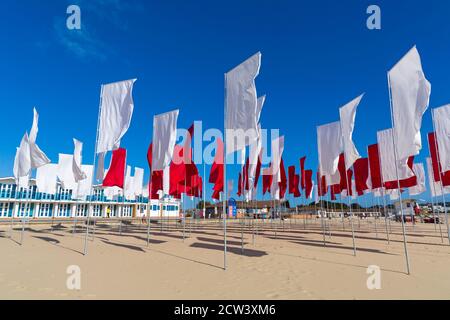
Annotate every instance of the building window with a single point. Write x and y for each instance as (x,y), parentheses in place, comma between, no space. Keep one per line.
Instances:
(97,210)
(26,210)
(6,209)
(64,210)
(126,212)
(82,210)
(45,210)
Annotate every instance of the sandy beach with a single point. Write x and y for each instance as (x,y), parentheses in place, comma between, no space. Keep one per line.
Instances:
(285,261)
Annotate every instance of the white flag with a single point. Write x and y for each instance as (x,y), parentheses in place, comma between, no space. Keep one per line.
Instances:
(76,165)
(84,187)
(410,97)
(329,143)
(65,172)
(129,186)
(115,116)
(316,194)
(37,156)
(46,178)
(242,110)
(435,186)
(387,159)
(22,162)
(348,114)
(138,181)
(441,117)
(420,174)
(164,139)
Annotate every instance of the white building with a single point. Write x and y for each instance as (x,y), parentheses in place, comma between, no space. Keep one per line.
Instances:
(29,202)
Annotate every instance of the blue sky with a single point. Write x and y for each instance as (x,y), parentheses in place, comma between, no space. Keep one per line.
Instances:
(316,56)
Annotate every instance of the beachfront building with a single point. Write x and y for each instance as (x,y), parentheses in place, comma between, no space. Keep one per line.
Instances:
(28,202)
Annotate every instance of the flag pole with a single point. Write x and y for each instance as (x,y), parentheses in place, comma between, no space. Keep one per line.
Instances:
(398,179)
(349,190)
(386,220)
(225,177)
(149,205)
(439,174)
(93,173)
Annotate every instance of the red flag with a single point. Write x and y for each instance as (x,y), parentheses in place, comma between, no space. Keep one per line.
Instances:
(239,193)
(216,173)
(297,193)
(437,169)
(302,173)
(177,172)
(374,163)
(116,171)
(283,182)
(156,184)
(343,184)
(291,172)
(245,174)
(335,189)
(321,185)
(258,172)
(308,182)
(361,167)
(267,182)
(405,183)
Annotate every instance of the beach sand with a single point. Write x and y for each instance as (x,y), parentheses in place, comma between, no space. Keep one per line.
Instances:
(293,264)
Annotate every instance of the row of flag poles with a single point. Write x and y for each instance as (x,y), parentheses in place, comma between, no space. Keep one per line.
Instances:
(388,169)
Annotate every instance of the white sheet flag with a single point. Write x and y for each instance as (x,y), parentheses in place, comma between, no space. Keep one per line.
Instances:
(164,139)
(387,158)
(435,186)
(37,156)
(22,161)
(329,143)
(410,98)
(46,178)
(76,164)
(84,187)
(348,114)
(441,117)
(241,114)
(420,174)
(138,181)
(115,116)
(65,172)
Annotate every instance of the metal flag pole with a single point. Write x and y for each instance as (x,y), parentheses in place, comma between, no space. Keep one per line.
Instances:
(149,208)
(224,194)
(434,213)
(93,173)
(204,190)
(349,189)
(440,177)
(398,178)
(383,195)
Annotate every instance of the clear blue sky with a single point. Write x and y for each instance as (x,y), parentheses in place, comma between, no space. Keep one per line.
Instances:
(317,55)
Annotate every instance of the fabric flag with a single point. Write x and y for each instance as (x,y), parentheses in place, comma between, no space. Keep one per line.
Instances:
(316,194)
(138,181)
(435,186)
(291,173)
(308,184)
(164,139)
(361,168)
(441,118)
(216,175)
(348,114)
(283,180)
(37,156)
(302,173)
(156,184)
(76,164)
(84,187)
(65,172)
(297,192)
(329,142)
(239,192)
(46,178)
(387,159)
(277,153)
(116,172)
(241,103)
(321,184)
(420,174)
(374,164)
(22,161)
(128,190)
(267,181)
(443,177)
(410,94)
(115,115)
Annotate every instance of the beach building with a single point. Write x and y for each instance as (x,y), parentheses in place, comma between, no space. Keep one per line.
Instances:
(28,202)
